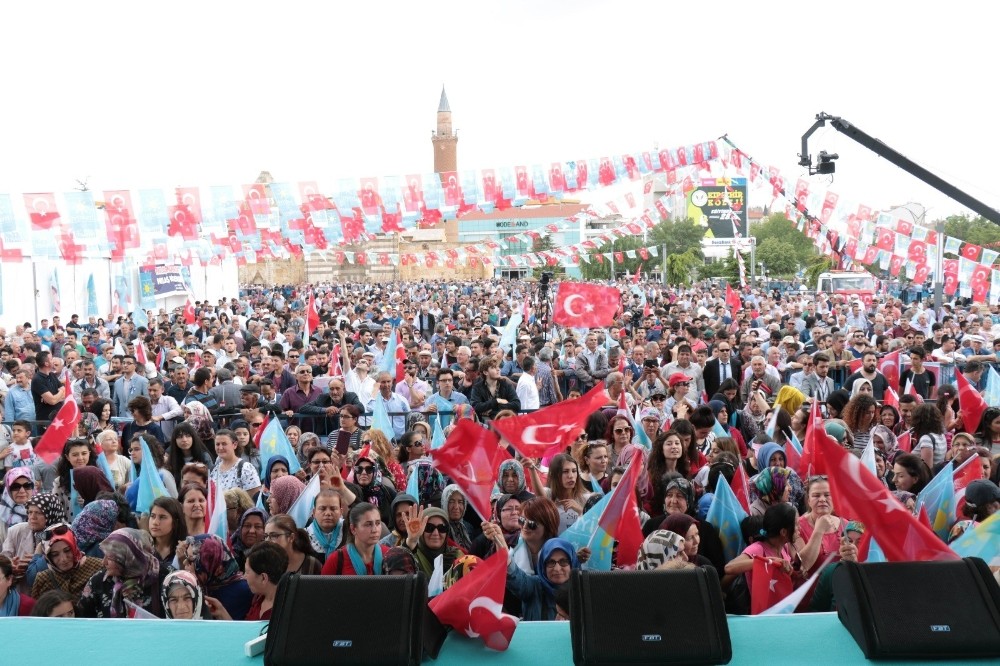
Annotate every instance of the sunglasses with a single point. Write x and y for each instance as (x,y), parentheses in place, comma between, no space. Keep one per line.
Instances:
(364,469)
(524,522)
(55,530)
(440,529)
(619,431)
(14,487)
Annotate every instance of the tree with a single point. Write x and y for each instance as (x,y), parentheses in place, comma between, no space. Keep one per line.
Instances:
(678,236)
(545,244)
(815,267)
(778,256)
(976,230)
(779,227)
(684,268)
(727,269)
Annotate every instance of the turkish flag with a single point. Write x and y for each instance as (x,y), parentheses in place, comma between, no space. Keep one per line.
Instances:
(42,210)
(895,265)
(770,585)
(970,402)
(855,365)
(474,605)
(889,367)
(471,456)
(536,433)
(620,518)
(886,239)
(920,276)
(904,442)
(585,305)
(189,316)
(971,251)
(863,497)
(890,398)
(739,484)
(810,463)
(50,446)
(312,315)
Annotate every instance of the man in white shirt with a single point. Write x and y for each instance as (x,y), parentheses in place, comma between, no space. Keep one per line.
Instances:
(527,386)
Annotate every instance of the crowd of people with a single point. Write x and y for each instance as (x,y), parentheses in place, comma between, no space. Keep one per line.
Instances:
(678,363)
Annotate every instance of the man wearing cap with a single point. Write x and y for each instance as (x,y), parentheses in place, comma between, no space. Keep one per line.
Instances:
(424,370)
(684,366)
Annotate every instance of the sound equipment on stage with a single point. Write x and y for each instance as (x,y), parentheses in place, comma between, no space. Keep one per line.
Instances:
(920,610)
(648,617)
(349,620)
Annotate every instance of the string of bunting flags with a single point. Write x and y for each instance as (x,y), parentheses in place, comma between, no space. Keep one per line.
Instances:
(259,222)
(858,234)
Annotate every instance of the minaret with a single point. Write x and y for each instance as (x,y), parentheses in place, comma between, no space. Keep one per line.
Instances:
(444,140)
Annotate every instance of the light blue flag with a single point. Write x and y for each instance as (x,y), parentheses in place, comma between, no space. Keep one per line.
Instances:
(147,291)
(982,541)
(131,472)
(260,501)
(718,430)
(219,523)
(587,532)
(91,297)
(102,463)
(388,363)
(509,337)
(140,318)
(443,406)
(726,514)
(875,553)
(301,511)
(412,486)
(150,484)
(74,497)
(939,499)
(274,442)
(380,418)
(992,393)
(795,441)
(437,438)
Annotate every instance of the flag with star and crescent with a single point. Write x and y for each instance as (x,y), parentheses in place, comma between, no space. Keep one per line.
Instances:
(50,446)
(585,305)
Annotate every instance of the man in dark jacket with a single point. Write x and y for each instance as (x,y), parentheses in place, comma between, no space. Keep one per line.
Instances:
(328,404)
(492,393)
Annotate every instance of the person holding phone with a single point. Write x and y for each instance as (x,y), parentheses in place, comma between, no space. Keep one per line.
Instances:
(649,381)
(348,435)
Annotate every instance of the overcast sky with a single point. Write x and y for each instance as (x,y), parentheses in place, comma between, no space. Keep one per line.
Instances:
(134,94)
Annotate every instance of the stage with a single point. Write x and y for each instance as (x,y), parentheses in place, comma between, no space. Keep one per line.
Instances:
(817,638)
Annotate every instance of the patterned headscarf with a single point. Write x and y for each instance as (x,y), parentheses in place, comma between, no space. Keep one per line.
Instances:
(456,528)
(459,568)
(133,551)
(70,540)
(94,523)
(10,513)
(186,580)
(506,465)
(90,423)
(200,419)
(771,483)
(51,505)
(214,564)
(429,480)
(371,492)
(398,560)
(659,547)
(239,548)
(284,491)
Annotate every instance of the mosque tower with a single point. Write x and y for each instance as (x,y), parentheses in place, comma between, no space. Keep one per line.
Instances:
(444,139)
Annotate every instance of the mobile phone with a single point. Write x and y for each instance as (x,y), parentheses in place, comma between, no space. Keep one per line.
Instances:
(343,442)
(650,363)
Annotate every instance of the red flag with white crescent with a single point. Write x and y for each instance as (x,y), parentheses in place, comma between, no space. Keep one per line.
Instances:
(50,446)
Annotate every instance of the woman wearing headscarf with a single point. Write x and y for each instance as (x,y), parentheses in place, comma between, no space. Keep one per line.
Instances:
(24,539)
(773,455)
(680,498)
(368,476)
(688,527)
(399,561)
(284,491)
(721,410)
(277,467)
(196,414)
(94,524)
(537,593)
(511,481)
(662,549)
(248,533)
(68,568)
(772,487)
(212,563)
(789,399)
(130,573)
(430,481)
(432,540)
(18,488)
(89,482)
(454,504)
(506,514)
(182,598)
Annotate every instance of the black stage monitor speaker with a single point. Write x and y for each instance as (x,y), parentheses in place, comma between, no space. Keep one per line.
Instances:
(347,620)
(632,618)
(920,610)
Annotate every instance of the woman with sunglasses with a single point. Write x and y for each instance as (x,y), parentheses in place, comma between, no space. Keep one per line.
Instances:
(18,488)
(68,568)
(282,530)
(679,404)
(391,469)
(368,477)
(619,434)
(427,538)
(538,521)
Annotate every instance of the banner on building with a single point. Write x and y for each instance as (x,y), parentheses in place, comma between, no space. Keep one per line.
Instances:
(720,205)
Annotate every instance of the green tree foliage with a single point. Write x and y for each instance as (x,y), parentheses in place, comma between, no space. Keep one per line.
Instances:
(682,238)
(780,228)
(778,256)
(977,230)
(726,269)
(816,266)
(678,236)
(684,268)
